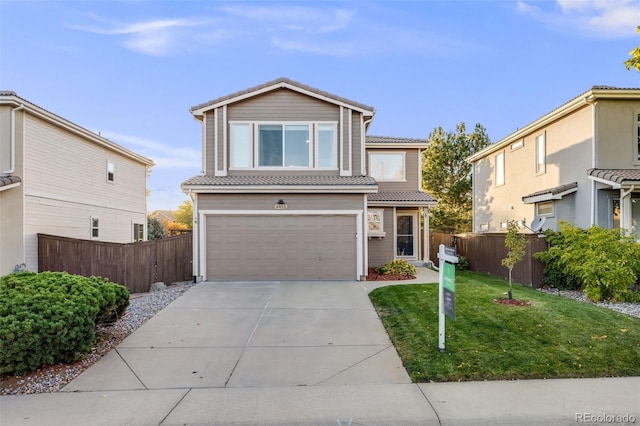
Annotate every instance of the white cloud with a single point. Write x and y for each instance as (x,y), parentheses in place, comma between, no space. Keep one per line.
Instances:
(592,18)
(296,18)
(165,157)
(154,37)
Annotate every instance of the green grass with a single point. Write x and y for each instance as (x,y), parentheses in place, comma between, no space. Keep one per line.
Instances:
(553,337)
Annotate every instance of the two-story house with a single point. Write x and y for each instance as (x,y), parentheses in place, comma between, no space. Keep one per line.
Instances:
(61,179)
(579,163)
(285,191)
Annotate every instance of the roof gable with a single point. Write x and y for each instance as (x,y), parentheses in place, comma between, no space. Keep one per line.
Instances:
(277,84)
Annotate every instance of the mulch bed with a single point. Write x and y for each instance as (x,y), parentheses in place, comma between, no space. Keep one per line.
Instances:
(374,276)
(512,302)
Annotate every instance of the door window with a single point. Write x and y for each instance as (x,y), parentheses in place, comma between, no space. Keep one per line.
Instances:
(404,236)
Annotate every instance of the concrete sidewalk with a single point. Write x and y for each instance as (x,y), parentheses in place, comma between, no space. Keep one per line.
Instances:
(295,353)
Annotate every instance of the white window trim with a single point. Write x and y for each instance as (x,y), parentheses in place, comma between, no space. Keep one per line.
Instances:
(542,137)
(553,209)
(313,148)
(380,233)
(415,235)
(136,236)
(500,168)
(404,164)
(111,170)
(92,228)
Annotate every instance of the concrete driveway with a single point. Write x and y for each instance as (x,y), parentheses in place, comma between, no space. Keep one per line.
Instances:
(293,353)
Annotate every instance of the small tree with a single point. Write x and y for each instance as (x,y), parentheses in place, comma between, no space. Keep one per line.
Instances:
(155,229)
(184,214)
(634,60)
(516,244)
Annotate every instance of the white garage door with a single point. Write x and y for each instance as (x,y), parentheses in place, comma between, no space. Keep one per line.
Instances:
(281,247)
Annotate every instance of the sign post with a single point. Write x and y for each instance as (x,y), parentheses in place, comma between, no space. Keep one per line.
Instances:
(447,289)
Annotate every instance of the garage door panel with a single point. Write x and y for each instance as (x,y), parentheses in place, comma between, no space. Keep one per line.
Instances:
(276,247)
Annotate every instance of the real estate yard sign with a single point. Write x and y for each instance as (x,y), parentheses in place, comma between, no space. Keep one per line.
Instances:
(447,289)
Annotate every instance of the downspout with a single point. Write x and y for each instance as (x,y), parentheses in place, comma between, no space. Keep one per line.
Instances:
(12,157)
(195,235)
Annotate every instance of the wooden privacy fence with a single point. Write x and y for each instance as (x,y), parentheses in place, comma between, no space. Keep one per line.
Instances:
(134,265)
(485,252)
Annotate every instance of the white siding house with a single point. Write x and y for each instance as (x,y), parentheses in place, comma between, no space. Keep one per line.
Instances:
(59,178)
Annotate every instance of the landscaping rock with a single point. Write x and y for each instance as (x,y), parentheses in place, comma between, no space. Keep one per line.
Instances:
(157,286)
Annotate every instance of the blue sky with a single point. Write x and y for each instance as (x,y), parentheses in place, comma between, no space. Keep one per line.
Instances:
(132,69)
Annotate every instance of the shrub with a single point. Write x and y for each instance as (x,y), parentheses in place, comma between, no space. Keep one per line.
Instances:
(51,317)
(397,267)
(605,262)
(463,264)
(555,274)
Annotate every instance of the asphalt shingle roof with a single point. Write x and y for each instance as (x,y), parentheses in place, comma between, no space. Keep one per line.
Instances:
(402,196)
(391,139)
(616,175)
(283,80)
(553,191)
(285,180)
(8,180)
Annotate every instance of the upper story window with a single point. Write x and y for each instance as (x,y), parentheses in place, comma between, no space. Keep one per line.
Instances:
(95,227)
(541,155)
(283,145)
(111,172)
(387,166)
(138,232)
(500,169)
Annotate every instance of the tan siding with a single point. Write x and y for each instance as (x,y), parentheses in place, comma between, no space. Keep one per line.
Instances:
(568,149)
(357,143)
(11,226)
(209,143)
(283,105)
(383,250)
(617,134)
(267,201)
(412,183)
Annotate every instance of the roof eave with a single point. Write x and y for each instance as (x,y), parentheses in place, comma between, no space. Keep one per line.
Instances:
(253,189)
(403,203)
(397,145)
(281,85)
(548,197)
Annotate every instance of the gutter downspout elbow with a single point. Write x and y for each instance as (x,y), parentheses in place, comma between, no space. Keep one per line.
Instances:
(12,147)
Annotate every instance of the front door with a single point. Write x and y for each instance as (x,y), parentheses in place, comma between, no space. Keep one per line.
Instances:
(406,241)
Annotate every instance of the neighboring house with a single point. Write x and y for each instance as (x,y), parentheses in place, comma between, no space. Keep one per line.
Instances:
(286,194)
(579,163)
(163,215)
(59,178)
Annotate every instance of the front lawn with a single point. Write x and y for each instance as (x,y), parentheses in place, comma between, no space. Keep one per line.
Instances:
(552,337)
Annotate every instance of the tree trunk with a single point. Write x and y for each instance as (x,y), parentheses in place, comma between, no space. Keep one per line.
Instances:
(510,287)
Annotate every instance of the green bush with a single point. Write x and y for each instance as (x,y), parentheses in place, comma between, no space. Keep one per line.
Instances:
(51,317)
(396,267)
(605,263)
(463,264)
(555,275)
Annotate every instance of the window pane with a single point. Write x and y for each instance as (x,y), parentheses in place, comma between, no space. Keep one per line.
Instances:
(270,145)
(296,146)
(405,225)
(405,246)
(540,154)
(387,167)
(545,208)
(500,169)
(240,145)
(326,146)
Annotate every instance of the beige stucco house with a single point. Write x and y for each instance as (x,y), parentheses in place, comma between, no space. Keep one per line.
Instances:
(292,188)
(579,163)
(59,178)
